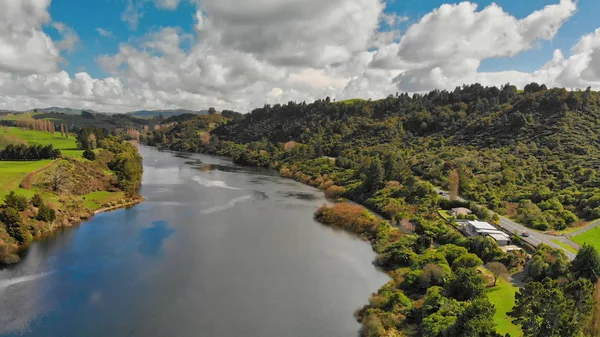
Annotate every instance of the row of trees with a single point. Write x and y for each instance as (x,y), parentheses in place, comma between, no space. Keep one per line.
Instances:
(29,152)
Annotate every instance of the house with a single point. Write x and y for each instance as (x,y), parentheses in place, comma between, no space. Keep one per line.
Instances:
(460,211)
(480,228)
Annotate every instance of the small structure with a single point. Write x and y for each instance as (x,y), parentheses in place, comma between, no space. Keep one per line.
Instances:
(480,228)
(460,211)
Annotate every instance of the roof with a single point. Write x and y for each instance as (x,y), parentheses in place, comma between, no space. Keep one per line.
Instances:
(499,237)
(481,225)
(461,210)
(489,231)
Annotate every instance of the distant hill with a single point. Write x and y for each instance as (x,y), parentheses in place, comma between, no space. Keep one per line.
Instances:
(66,111)
(139,113)
(165,113)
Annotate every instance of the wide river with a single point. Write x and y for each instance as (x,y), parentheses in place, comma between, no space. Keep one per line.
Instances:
(216,250)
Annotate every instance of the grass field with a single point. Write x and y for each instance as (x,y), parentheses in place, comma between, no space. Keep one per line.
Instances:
(351,101)
(68,146)
(591,237)
(503,298)
(565,246)
(96,199)
(13,172)
(444,214)
(17,117)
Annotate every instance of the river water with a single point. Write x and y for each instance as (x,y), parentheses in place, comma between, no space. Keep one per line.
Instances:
(216,250)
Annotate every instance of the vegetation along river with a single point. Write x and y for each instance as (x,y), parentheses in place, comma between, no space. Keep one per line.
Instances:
(215,250)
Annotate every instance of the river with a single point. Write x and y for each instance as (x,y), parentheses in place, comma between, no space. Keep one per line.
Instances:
(216,250)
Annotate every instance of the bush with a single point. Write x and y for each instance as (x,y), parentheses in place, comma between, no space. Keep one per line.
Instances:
(37,200)
(89,154)
(335,192)
(46,214)
(15,201)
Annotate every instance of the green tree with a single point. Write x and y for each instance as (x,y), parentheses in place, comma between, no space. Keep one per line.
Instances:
(37,200)
(466,284)
(545,309)
(587,263)
(15,201)
(477,320)
(467,261)
(212,111)
(14,226)
(46,214)
(89,154)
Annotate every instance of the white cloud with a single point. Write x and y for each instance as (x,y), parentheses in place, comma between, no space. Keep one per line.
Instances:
(448,44)
(132,13)
(104,32)
(244,54)
(24,47)
(70,38)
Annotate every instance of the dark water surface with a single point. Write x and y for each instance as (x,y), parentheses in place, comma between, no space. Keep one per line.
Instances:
(216,250)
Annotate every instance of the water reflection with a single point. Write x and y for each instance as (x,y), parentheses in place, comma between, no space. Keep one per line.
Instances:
(151,239)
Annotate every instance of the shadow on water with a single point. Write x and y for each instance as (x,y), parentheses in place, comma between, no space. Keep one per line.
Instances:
(301,195)
(199,165)
(151,239)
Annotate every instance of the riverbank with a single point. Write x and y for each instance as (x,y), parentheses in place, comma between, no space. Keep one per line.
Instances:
(11,255)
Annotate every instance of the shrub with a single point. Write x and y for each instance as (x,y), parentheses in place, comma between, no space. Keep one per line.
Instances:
(89,154)
(15,201)
(46,214)
(334,192)
(37,200)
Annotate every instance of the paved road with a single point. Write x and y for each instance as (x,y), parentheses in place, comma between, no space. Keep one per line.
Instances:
(535,238)
(585,229)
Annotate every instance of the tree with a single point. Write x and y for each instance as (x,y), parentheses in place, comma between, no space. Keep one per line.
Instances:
(477,320)
(466,284)
(497,269)
(18,202)
(212,111)
(587,263)
(550,309)
(453,184)
(375,175)
(14,226)
(467,261)
(46,214)
(89,155)
(37,200)
(91,141)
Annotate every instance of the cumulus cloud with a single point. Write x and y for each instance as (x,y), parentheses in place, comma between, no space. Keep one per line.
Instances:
(449,43)
(24,47)
(243,54)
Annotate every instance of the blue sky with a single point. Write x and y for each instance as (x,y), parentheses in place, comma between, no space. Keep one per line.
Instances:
(245,53)
(106,14)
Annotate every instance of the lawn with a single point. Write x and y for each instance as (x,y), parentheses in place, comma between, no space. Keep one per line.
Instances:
(351,101)
(96,199)
(565,246)
(591,237)
(444,214)
(67,146)
(503,298)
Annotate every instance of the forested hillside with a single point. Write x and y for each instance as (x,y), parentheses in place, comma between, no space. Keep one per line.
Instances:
(530,154)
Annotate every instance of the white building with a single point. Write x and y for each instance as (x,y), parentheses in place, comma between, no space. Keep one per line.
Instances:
(480,228)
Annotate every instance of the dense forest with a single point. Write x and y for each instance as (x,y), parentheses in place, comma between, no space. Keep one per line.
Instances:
(31,152)
(530,154)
